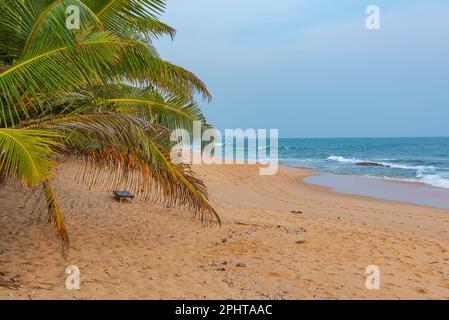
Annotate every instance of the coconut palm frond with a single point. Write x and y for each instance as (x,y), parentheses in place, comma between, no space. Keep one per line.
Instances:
(100,94)
(173,113)
(154,28)
(120,151)
(155,179)
(14,17)
(169,111)
(171,79)
(24,154)
(132,18)
(63,68)
(55,218)
(190,191)
(109,9)
(23,23)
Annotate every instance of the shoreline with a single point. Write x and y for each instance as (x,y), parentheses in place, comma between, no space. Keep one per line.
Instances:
(262,251)
(366,186)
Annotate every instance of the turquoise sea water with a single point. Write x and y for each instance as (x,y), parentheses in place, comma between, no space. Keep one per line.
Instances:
(424,160)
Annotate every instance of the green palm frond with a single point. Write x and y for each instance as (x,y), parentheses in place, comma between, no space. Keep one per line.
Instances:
(130,18)
(109,9)
(120,151)
(63,68)
(100,94)
(173,113)
(153,28)
(190,192)
(24,154)
(170,111)
(170,79)
(55,218)
(155,179)
(52,18)
(24,22)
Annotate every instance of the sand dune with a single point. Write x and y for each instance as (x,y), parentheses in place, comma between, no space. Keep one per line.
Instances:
(262,251)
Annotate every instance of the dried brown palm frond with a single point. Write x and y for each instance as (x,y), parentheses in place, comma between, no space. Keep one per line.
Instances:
(54,217)
(121,152)
(46,112)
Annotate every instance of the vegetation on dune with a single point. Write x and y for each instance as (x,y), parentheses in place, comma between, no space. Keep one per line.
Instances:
(100,94)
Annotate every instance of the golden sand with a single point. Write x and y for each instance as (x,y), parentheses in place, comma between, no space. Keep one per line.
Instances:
(262,251)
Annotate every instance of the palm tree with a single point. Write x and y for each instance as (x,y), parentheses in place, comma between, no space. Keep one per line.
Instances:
(100,94)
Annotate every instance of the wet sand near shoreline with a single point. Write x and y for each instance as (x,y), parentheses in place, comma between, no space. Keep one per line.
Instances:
(408,192)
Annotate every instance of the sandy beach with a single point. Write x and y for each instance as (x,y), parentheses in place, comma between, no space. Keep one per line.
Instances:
(262,251)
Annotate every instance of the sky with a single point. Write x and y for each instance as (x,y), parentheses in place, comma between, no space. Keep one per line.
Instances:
(311,68)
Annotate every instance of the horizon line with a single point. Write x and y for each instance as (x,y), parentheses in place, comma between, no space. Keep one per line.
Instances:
(364,137)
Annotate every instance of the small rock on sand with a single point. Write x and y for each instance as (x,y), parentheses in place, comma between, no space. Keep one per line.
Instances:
(371,164)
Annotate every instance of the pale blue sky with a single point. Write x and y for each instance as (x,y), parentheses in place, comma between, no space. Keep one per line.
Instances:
(310,67)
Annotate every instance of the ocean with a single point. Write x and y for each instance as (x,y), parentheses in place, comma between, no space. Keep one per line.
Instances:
(424,160)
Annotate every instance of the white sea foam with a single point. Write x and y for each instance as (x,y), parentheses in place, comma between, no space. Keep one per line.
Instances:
(343,159)
(434,180)
(399,179)
(385,164)
(424,174)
